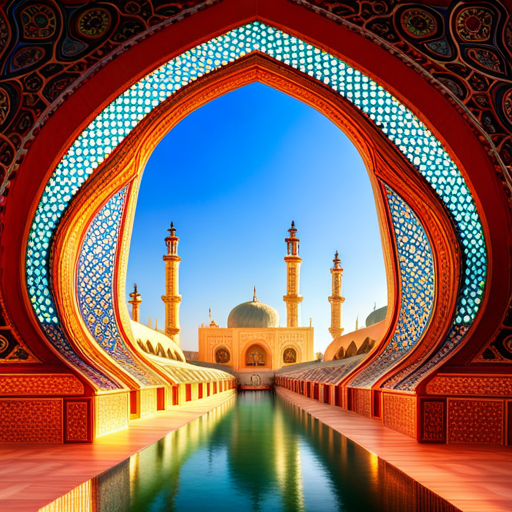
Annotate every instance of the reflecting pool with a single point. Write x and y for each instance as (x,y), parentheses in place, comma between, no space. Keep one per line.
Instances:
(256,452)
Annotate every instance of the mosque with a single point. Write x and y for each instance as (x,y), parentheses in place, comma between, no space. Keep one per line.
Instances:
(253,344)
(423,90)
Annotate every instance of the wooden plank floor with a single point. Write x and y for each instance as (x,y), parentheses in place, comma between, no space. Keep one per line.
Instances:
(33,475)
(472,478)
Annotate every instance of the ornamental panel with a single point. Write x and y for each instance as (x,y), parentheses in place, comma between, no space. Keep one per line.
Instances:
(31,420)
(469,385)
(399,413)
(432,421)
(362,402)
(77,421)
(417,288)
(148,401)
(112,413)
(40,385)
(95,286)
(475,421)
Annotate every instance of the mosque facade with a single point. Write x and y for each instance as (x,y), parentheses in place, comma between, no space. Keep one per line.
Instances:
(253,341)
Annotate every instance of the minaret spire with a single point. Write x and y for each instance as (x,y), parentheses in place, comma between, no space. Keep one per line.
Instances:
(135,302)
(293,262)
(172,298)
(336,299)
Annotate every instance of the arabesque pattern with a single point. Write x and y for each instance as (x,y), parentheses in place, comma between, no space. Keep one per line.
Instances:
(464,45)
(95,285)
(411,137)
(417,288)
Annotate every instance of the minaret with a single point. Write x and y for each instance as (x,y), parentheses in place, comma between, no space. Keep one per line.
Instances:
(172,298)
(135,302)
(293,261)
(336,299)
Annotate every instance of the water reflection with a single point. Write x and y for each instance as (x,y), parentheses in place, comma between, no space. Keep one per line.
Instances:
(257,452)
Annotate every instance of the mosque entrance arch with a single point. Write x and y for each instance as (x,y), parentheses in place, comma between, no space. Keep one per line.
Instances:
(256,356)
(428,186)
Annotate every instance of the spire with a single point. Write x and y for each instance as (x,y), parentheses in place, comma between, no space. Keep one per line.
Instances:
(336,261)
(171,241)
(254,298)
(292,242)
(212,321)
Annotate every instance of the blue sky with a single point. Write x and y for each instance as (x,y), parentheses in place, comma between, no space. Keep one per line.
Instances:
(232,176)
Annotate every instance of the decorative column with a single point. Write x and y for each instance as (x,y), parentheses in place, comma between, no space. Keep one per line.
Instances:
(135,302)
(336,299)
(172,298)
(292,297)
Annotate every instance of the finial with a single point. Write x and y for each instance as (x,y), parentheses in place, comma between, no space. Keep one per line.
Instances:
(135,288)
(336,255)
(172,229)
(374,306)
(254,298)
(293,224)
(210,313)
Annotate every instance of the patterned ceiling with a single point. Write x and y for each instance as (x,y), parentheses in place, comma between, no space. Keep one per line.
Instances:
(47,47)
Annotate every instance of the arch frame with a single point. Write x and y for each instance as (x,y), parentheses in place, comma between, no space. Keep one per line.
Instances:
(128,160)
(475,165)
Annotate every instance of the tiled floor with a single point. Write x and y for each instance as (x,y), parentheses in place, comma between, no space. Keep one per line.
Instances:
(33,475)
(473,478)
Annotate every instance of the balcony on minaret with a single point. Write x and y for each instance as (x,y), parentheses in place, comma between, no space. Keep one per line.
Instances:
(172,241)
(292,243)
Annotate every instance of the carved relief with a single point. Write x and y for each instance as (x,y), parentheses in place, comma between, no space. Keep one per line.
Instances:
(148,401)
(296,338)
(432,421)
(220,340)
(475,421)
(399,413)
(361,401)
(40,385)
(31,420)
(112,413)
(468,385)
(77,422)
(222,355)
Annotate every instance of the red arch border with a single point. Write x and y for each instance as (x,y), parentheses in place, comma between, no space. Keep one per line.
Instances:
(413,90)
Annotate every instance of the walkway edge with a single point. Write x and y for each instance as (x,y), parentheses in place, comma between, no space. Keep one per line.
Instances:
(34,475)
(473,478)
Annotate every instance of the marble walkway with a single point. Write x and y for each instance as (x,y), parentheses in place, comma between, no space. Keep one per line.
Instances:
(472,478)
(33,475)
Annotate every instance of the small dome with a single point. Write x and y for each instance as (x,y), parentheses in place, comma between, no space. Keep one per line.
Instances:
(253,314)
(376,316)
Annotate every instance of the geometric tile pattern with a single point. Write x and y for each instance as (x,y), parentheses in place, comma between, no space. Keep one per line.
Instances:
(417,286)
(31,420)
(409,135)
(95,285)
(475,421)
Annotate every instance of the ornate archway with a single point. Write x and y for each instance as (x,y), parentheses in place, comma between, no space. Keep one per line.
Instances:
(429,188)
